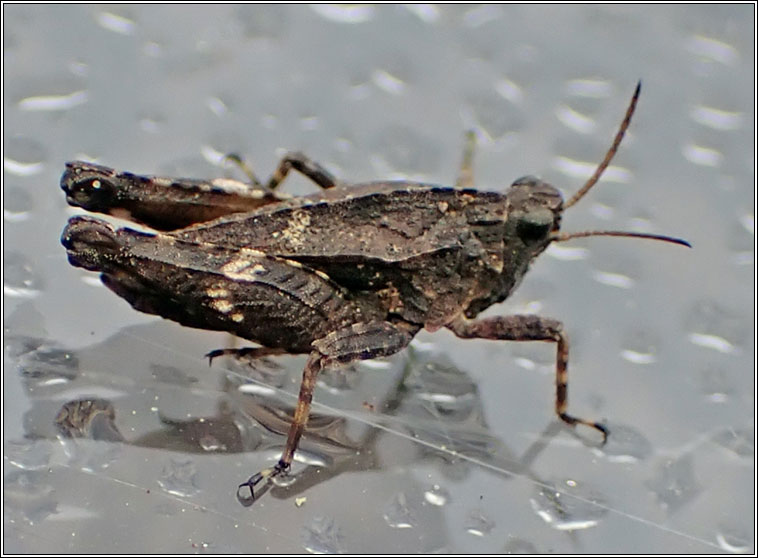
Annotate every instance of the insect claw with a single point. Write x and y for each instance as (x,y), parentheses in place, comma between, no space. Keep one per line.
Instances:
(604,431)
(213,354)
(266,474)
(573,421)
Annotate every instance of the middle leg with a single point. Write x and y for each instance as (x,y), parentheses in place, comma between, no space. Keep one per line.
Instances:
(293,160)
(530,328)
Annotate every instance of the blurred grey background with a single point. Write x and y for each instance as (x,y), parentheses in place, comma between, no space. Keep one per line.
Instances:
(451,446)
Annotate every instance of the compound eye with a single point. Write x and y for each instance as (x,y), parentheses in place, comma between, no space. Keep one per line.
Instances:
(535,225)
(92,193)
(528,180)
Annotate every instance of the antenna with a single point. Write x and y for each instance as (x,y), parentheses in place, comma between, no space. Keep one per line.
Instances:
(562,237)
(611,152)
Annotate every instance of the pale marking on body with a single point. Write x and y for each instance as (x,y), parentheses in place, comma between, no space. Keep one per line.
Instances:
(222,305)
(162,181)
(248,272)
(297,224)
(238,268)
(217,292)
(248,256)
(321,274)
(496,263)
(231,186)
(165,239)
(233,267)
(250,252)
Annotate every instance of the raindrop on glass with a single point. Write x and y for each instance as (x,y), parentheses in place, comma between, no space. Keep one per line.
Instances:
(399,514)
(569,506)
(322,536)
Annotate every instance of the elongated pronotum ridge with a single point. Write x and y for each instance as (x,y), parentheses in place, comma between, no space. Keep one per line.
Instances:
(611,152)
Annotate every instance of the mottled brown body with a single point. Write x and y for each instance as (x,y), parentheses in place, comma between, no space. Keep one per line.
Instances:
(426,251)
(346,274)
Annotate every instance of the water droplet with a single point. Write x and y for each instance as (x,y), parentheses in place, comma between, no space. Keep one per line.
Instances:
(152,49)
(217,106)
(714,49)
(575,120)
(90,455)
(313,458)
(18,204)
(569,506)
(262,21)
(179,478)
(388,82)
(63,101)
(516,545)
(748,223)
(344,13)
(437,496)
(626,445)
(589,87)
(400,151)
(478,524)
(41,364)
(24,156)
(567,253)
(735,540)
(476,17)
(322,536)
(427,13)
(702,155)
(610,279)
(531,357)
(216,149)
(574,168)
(509,90)
(602,211)
(640,348)
(309,123)
(171,375)
(116,23)
(717,385)
(399,514)
(740,441)
(716,118)
(21,278)
(28,497)
(151,122)
(495,115)
(712,327)
(339,379)
(712,342)
(445,386)
(673,483)
(28,455)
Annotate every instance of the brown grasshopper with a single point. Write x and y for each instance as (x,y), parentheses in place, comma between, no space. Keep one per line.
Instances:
(352,272)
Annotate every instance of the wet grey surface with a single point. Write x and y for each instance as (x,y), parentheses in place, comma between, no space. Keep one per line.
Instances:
(452,445)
